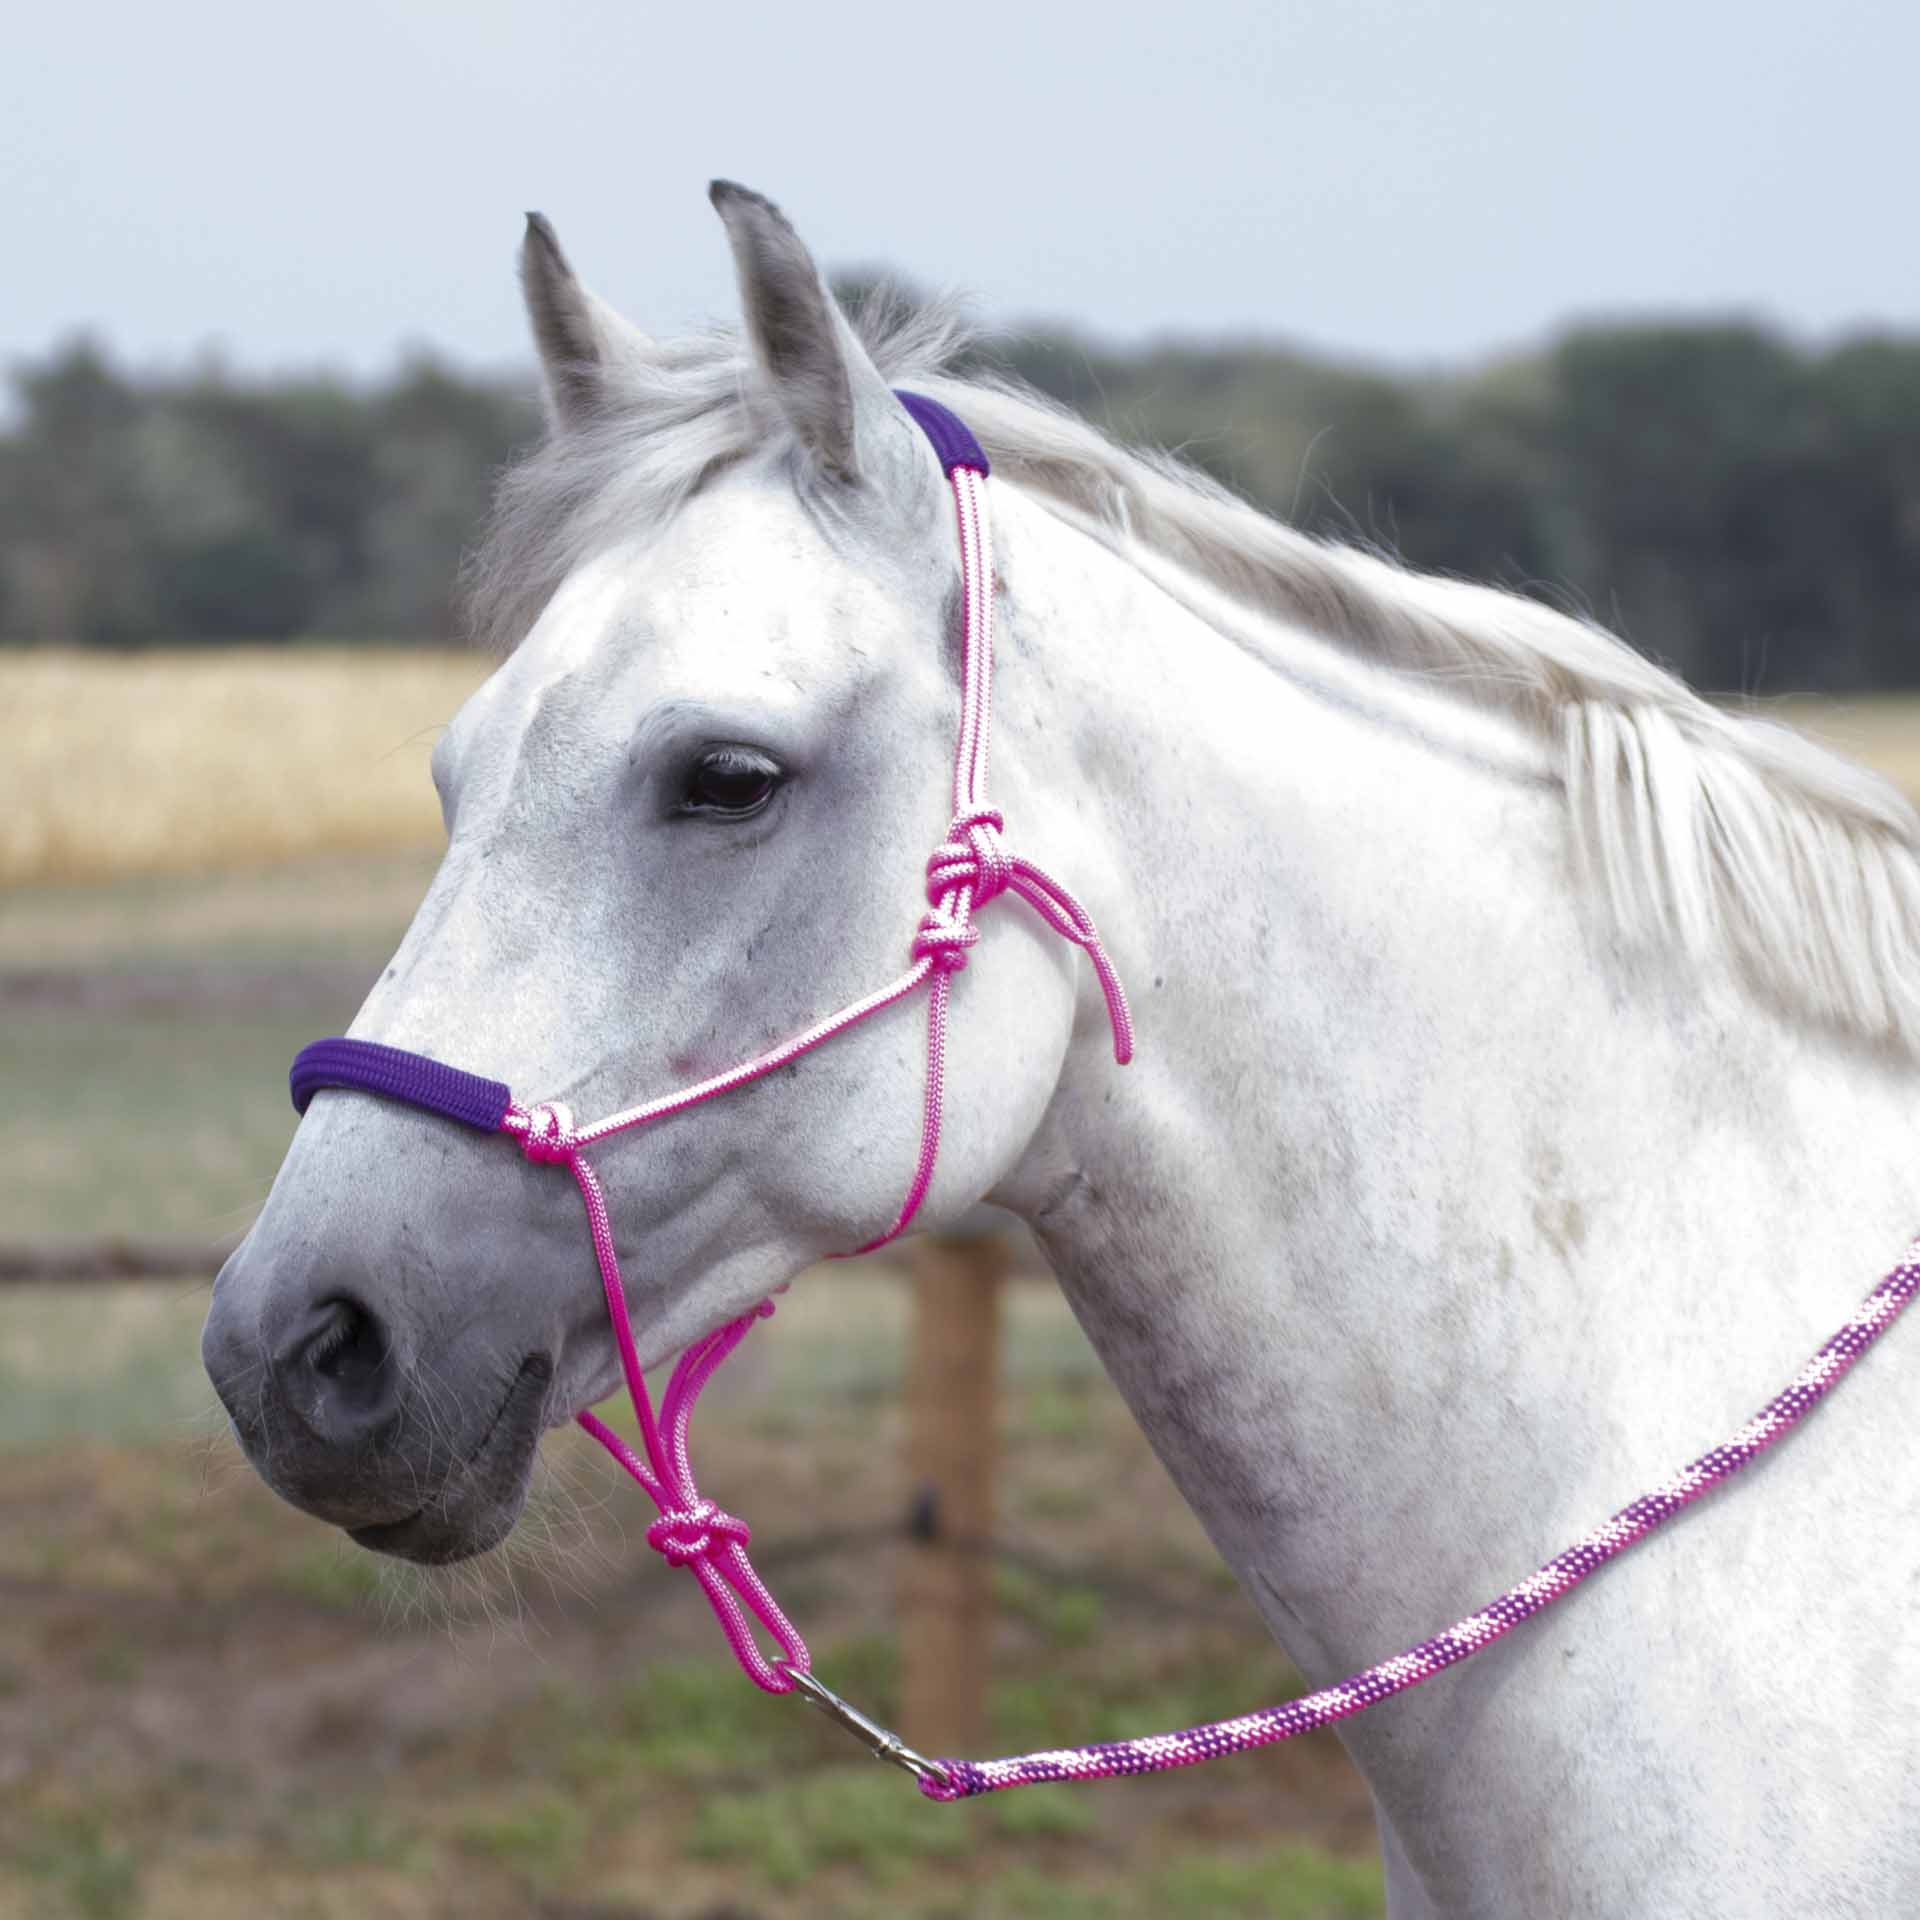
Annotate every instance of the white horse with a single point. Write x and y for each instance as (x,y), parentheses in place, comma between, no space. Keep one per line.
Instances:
(1526,1078)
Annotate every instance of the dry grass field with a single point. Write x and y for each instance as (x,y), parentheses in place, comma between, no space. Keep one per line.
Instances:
(174,762)
(193,760)
(1883,730)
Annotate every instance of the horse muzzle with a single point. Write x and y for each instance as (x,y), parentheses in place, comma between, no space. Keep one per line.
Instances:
(341,1419)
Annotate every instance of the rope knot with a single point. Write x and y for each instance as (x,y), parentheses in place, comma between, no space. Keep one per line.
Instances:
(967,869)
(973,855)
(685,1534)
(550,1139)
(943,940)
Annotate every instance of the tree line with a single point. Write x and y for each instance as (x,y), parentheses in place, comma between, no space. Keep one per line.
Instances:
(1743,507)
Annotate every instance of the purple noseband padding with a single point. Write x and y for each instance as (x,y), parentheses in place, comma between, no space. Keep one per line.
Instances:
(952,438)
(366,1067)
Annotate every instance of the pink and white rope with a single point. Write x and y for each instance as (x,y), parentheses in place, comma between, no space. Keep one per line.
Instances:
(1156,1753)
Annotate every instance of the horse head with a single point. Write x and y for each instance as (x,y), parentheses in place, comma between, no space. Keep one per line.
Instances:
(687,815)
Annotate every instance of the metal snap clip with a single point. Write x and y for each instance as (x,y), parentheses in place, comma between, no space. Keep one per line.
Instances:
(878,1741)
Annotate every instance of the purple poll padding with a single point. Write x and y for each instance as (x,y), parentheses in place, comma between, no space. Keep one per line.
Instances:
(366,1067)
(952,438)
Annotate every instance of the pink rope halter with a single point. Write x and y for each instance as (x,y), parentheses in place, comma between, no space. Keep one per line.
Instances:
(969,869)
(972,867)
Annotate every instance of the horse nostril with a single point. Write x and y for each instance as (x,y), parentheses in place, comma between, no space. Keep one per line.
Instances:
(350,1346)
(345,1355)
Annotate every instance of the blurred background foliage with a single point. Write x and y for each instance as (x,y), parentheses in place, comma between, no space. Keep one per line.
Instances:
(1744,507)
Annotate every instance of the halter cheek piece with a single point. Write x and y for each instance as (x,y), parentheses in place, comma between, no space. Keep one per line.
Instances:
(970,868)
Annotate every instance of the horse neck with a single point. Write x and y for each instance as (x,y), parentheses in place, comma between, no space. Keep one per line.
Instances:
(1426,1229)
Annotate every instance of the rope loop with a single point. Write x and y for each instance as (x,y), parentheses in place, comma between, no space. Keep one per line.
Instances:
(684,1534)
(550,1138)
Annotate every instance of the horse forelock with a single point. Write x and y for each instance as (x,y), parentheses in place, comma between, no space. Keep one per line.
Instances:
(674,421)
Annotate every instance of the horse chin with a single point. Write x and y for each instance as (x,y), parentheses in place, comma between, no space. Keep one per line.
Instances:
(477,1507)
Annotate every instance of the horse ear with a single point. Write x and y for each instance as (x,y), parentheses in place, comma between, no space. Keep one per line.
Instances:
(584,345)
(820,374)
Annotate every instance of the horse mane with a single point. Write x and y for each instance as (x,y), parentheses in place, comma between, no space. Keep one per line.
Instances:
(1718,833)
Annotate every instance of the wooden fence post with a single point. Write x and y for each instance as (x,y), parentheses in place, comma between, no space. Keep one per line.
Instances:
(946,1597)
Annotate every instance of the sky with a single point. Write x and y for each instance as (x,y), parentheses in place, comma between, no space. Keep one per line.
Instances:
(331,185)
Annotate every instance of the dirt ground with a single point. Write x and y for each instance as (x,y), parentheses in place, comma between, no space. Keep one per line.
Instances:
(210,1707)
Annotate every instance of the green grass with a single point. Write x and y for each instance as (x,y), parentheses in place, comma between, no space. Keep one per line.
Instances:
(342,913)
(1274,1883)
(117,1664)
(1066,1616)
(1244,1676)
(168,1123)
(333,1574)
(356,1834)
(1056,1411)
(541,1837)
(697,1723)
(1116,1688)
(109,1363)
(693,1722)
(80,1871)
(1042,1813)
(859,1816)
(1283,1883)
(172,1121)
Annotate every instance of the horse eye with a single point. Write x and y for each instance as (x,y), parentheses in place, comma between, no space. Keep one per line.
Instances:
(730,782)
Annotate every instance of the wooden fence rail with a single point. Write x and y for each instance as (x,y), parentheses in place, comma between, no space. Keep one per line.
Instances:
(108,1262)
(120,1261)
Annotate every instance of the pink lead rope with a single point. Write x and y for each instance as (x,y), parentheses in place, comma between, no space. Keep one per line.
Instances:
(969,869)
(1367,1688)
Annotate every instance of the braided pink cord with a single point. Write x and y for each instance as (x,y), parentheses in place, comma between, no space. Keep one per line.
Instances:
(691,1530)
(1156,1753)
(970,868)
